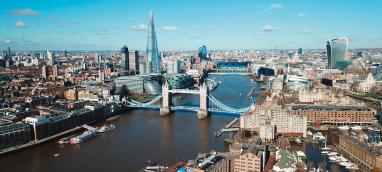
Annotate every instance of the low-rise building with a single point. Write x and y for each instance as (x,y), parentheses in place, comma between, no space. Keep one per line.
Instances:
(14,134)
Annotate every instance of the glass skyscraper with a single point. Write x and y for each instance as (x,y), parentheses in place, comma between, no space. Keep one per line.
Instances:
(125,58)
(153,57)
(336,51)
(204,53)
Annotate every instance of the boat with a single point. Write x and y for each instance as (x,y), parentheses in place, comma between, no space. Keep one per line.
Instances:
(356,127)
(63,141)
(312,170)
(220,82)
(251,86)
(298,141)
(105,128)
(56,154)
(84,136)
(373,129)
(342,159)
(344,164)
(352,166)
(309,133)
(324,152)
(325,148)
(332,154)
(318,136)
(365,136)
(345,127)
(301,154)
(333,158)
(240,93)
(299,160)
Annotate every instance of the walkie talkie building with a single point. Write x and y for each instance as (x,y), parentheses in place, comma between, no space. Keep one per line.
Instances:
(336,51)
(152,49)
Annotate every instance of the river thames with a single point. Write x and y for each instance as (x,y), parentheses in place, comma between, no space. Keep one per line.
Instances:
(141,135)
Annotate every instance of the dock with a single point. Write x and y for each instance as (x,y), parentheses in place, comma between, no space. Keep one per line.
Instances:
(250,94)
(226,128)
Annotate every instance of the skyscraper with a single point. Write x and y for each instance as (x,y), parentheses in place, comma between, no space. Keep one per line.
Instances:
(300,51)
(9,51)
(44,72)
(96,59)
(65,53)
(336,51)
(51,57)
(125,58)
(3,58)
(152,48)
(133,60)
(55,72)
(200,52)
(203,53)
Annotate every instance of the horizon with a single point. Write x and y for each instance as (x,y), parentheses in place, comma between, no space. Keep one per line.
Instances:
(99,26)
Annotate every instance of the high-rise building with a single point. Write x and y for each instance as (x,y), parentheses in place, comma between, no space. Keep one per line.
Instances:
(200,52)
(83,64)
(173,66)
(97,58)
(152,48)
(51,57)
(55,72)
(204,53)
(44,72)
(101,78)
(9,51)
(300,51)
(133,60)
(336,50)
(359,54)
(125,58)
(65,53)
(3,58)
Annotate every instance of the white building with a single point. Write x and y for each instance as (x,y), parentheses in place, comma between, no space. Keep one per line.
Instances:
(307,96)
(367,84)
(51,57)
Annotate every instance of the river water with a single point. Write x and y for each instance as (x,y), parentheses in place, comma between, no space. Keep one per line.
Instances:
(142,135)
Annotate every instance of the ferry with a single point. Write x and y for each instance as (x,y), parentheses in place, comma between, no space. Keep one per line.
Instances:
(105,128)
(84,136)
(345,127)
(356,127)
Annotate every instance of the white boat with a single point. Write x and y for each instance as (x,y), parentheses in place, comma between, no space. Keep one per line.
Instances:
(325,148)
(312,170)
(332,154)
(365,136)
(318,136)
(352,166)
(342,159)
(85,136)
(333,158)
(345,127)
(356,127)
(299,160)
(105,128)
(300,154)
(344,164)
(309,133)
(298,141)
(324,152)
(220,82)
(373,129)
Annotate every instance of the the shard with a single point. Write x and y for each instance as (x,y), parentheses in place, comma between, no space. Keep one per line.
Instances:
(153,58)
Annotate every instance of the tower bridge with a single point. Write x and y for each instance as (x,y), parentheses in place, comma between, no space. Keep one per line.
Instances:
(208,103)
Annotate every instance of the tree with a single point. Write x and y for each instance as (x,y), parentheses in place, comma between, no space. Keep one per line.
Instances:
(334,168)
(375,89)
(354,86)
(322,165)
(310,165)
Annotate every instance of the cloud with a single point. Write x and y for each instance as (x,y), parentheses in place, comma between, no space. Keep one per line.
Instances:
(366,22)
(197,27)
(62,21)
(170,28)
(139,27)
(195,36)
(60,25)
(20,24)
(301,15)
(305,31)
(266,10)
(128,19)
(289,28)
(7,41)
(268,28)
(262,33)
(213,26)
(25,12)
(93,18)
(49,18)
(101,33)
(79,21)
(277,5)
(212,32)
(108,27)
(184,32)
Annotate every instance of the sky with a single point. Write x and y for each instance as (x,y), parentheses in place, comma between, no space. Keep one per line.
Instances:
(187,25)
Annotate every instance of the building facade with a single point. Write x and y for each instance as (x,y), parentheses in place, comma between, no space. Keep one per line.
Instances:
(133,60)
(336,51)
(14,134)
(51,57)
(124,58)
(152,57)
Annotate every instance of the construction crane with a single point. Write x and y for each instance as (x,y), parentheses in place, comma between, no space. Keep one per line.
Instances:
(34,89)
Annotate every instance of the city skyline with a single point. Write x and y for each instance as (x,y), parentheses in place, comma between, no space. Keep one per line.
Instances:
(226,25)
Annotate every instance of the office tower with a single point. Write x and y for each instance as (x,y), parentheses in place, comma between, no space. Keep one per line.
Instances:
(9,51)
(97,58)
(300,51)
(133,60)
(142,67)
(200,52)
(55,72)
(173,66)
(101,78)
(203,53)
(83,64)
(44,72)
(336,51)
(3,58)
(359,54)
(65,53)
(9,63)
(152,48)
(51,57)
(125,58)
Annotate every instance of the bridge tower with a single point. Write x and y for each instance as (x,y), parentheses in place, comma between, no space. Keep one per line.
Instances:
(203,110)
(167,100)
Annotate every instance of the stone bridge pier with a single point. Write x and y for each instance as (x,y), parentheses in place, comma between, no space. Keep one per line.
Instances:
(203,110)
(167,100)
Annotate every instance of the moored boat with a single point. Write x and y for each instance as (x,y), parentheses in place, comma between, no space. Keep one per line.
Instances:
(84,136)
(356,127)
(309,133)
(345,127)
(105,128)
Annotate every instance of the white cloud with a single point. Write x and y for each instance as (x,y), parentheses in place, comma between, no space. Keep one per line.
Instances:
(20,24)
(25,12)
(289,28)
(62,21)
(366,22)
(305,31)
(60,25)
(7,41)
(49,18)
(277,5)
(213,26)
(268,28)
(184,32)
(195,36)
(212,32)
(101,33)
(262,33)
(139,27)
(79,21)
(197,27)
(301,15)
(170,28)
(93,18)
(128,19)
(108,27)
(266,10)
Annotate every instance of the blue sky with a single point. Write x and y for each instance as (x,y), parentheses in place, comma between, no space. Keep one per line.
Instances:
(186,25)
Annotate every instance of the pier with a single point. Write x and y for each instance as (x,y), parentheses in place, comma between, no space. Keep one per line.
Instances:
(250,94)
(225,128)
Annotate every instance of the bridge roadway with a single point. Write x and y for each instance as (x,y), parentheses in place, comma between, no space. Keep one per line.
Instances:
(220,73)
(185,108)
(184,91)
